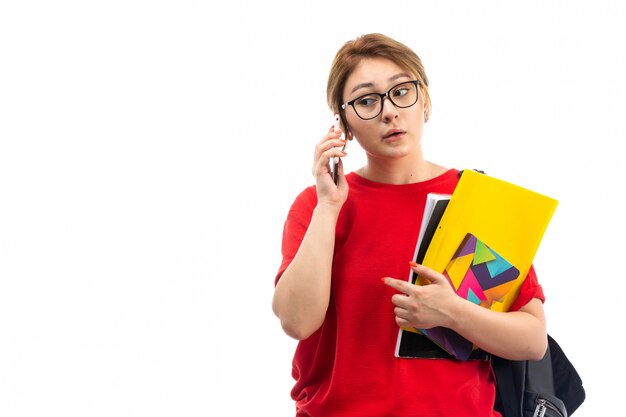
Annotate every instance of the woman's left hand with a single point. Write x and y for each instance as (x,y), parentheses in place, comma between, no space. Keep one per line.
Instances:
(423,306)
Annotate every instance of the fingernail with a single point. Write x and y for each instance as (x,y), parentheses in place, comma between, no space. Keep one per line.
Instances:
(413,264)
(383,279)
(343,153)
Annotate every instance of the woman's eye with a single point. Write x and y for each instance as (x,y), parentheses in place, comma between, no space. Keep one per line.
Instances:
(367,101)
(400,92)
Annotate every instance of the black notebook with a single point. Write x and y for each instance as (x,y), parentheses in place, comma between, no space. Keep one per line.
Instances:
(411,344)
(433,211)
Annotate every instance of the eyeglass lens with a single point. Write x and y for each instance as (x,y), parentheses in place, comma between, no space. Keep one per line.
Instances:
(371,105)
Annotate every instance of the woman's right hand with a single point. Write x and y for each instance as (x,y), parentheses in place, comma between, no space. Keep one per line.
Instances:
(327,192)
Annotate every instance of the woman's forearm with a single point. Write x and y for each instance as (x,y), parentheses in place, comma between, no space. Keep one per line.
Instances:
(302,294)
(516,335)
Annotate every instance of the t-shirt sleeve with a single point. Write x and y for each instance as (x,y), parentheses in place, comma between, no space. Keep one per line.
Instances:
(295,227)
(530,289)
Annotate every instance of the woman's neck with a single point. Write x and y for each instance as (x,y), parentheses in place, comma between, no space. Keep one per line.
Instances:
(407,170)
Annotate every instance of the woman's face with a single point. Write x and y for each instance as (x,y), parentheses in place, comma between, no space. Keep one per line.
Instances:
(395,132)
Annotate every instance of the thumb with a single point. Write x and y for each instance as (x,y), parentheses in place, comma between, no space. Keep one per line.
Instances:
(427,274)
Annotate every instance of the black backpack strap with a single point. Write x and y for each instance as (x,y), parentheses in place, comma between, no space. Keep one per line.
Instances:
(568,386)
(510,381)
(539,386)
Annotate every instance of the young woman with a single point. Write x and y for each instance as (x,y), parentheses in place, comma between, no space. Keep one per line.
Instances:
(342,287)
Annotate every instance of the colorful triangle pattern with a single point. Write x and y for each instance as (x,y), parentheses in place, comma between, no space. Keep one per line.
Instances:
(480,275)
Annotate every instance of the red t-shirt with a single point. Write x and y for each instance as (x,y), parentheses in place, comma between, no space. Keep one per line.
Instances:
(347,368)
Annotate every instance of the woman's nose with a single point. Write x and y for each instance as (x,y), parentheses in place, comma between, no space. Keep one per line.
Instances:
(389,109)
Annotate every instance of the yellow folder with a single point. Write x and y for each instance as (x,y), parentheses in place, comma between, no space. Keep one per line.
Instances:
(508,218)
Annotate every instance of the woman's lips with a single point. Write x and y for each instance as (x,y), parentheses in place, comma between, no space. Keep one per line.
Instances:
(394,134)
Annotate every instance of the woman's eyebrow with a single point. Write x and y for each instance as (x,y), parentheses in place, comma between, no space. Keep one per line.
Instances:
(398,76)
(369,84)
(362,85)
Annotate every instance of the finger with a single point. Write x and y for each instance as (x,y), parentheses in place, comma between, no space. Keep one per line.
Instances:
(324,152)
(326,144)
(402,322)
(403,318)
(332,144)
(401,301)
(327,157)
(399,285)
(331,135)
(427,273)
(401,313)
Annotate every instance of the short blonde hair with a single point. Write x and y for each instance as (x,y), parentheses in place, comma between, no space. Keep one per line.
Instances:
(373,45)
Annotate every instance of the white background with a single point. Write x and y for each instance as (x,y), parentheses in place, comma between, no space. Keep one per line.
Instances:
(149,152)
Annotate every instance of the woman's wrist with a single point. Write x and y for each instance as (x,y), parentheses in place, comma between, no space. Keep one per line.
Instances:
(327,211)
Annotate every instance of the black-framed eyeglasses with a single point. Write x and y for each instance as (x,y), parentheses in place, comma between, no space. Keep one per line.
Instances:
(370,105)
